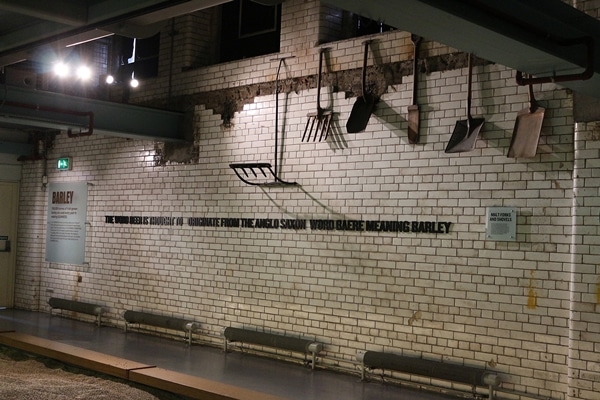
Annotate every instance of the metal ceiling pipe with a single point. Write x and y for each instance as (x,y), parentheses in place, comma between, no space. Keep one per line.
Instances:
(588,73)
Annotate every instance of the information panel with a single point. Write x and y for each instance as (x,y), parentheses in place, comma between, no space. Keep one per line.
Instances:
(501,223)
(67,214)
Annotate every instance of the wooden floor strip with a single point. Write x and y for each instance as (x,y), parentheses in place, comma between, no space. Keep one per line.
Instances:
(170,381)
(194,387)
(87,359)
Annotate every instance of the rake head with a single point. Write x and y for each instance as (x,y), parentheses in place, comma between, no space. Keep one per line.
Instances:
(258,174)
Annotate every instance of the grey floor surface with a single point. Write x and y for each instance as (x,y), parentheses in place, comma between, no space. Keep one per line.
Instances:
(274,377)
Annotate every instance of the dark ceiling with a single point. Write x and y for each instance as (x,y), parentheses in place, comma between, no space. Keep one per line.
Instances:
(548,39)
(25,25)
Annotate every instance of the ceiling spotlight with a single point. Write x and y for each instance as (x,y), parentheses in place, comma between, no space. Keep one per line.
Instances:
(84,73)
(61,69)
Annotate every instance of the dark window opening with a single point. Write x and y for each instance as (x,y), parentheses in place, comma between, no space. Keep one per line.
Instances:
(136,57)
(366,26)
(341,25)
(249,29)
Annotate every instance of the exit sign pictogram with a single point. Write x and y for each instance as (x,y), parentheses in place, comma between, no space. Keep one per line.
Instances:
(63,164)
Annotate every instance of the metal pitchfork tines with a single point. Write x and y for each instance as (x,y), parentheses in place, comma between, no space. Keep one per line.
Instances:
(319,122)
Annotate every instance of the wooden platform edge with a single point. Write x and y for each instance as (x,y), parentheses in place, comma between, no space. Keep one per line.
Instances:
(77,356)
(195,387)
(149,375)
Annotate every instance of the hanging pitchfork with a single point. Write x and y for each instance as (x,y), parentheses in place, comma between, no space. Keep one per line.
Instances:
(318,123)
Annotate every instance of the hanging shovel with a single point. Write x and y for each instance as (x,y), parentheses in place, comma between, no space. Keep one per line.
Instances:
(364,105)
(466,131)
(322,118)
(413,109)
(526,133)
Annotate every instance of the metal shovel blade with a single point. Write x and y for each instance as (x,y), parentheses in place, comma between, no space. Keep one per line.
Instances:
(464,135)
(466,131)
(364,105)
(526,133)
(361,113)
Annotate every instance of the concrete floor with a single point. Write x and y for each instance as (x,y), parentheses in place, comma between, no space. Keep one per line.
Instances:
(279,378)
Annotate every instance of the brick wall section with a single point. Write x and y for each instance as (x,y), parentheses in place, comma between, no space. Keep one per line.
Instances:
(31,242)
(195,45)
(584,336)
(527,309)
(584,339)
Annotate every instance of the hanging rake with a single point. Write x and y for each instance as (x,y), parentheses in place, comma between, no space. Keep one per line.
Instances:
(318,123)
(263,173)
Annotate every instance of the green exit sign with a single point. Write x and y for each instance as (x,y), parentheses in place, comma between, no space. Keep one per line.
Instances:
(63,164)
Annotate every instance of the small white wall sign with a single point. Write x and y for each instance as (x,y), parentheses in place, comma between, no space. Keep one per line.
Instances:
(501,224)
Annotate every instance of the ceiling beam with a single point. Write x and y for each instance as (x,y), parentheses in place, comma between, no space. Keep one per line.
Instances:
(71,13)
(48,29)
(32,109)
(525,35)
(154,11)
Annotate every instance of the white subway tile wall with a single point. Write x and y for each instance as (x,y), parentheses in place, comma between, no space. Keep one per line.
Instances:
(526,308)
